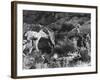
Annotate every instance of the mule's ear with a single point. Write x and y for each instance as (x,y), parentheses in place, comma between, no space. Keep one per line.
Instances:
(45,30)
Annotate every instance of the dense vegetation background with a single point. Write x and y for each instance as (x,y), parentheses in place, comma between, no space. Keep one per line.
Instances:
(56,21)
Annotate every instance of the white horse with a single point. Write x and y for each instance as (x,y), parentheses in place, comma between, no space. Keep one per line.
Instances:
(37,35)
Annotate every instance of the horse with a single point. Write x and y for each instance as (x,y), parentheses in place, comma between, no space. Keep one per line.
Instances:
(35,36)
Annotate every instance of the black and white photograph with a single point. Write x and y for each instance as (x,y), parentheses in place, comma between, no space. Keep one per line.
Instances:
(53,39)
(56,39)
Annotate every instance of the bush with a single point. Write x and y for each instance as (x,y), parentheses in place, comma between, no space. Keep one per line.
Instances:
(84,56)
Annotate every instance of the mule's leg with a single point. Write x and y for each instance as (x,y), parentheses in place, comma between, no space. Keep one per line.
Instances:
(30,51)
(31,47)
(36,44)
